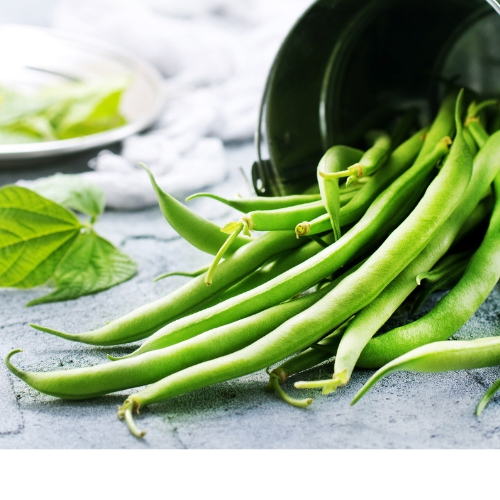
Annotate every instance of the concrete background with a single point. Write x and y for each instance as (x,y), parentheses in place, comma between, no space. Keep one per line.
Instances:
(406,410)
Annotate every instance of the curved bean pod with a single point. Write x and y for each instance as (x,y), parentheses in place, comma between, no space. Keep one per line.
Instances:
(441,356)
(333,161)
(192,274)
(200,232)
(251,204)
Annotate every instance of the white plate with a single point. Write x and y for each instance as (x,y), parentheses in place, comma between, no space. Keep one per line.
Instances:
(33,57)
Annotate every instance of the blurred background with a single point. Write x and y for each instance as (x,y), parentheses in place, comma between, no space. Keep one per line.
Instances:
(213,56)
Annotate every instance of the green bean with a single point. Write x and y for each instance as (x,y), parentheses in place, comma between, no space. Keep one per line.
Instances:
(403,126)
(333,161)
(487,396)
(246,205)
(387,211)
(442,126)
(376,313)
(92,381)
(274,268)
(399,161)
(149,318)
(482,210)
(193,274)
(477,131)
(200,232)
(441,357)
(271,220)
(311,356)
(495,125)
(269,270)
(455,308)
(282,219)
(444,276)
(319,352)
(444,266)
(470,142)
(473,123)
(348,297)
(371,160)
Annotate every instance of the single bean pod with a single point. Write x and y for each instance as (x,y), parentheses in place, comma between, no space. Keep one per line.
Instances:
(92,381)
(192,274)
(479,278)
(383,215)
(251,204)
(272,220)
(147,319)
(399,161)
(332,162)
(441,357)
(350,295)
(200,232)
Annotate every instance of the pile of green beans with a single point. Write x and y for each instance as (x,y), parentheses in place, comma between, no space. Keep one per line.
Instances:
(391,224)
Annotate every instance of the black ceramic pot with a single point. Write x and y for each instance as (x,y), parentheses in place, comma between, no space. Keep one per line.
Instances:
(347,63)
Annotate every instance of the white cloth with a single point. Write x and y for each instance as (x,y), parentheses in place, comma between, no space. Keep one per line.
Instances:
(214,55)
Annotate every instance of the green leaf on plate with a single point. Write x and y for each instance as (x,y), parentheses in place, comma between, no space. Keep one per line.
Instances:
(93,264)
(34,235)
(74,109)
(95,111)
(72,192)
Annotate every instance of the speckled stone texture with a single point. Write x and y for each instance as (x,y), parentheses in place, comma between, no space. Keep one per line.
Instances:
(405,410)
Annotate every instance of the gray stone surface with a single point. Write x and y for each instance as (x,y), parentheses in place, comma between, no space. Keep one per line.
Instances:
(405,410)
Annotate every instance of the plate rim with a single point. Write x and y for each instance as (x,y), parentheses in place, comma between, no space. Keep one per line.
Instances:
(46,149)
